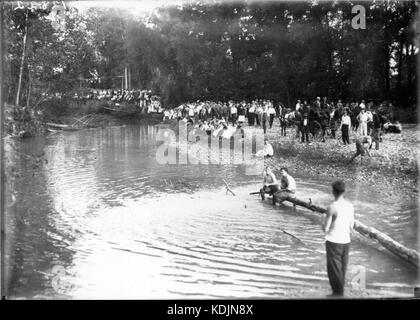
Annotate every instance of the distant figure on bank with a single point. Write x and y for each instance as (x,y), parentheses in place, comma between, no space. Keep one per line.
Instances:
(270,184)
(272,113)
(345,127)
(287,185)
(267,151)
(283,122)
(362,146)
(338,224)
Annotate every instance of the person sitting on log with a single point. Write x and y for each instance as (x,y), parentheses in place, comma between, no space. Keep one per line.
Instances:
(270,186)
(288,186)
(362,146)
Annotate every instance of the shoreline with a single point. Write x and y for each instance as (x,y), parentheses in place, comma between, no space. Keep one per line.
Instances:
(392,170)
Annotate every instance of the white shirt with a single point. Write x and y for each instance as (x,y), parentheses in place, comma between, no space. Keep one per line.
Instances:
(233,110)
(297,106)
(363,117)
(271,110)
(346,120)
(268,150)
(291,183)
(341,226)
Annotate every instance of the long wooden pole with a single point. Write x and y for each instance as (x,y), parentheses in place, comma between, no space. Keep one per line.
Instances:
(2,173)
(410,255)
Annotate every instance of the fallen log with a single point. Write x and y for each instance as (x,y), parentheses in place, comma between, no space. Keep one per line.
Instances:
(61,126)
(409,255)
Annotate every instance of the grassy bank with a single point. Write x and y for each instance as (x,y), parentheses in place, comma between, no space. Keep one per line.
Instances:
(393,169)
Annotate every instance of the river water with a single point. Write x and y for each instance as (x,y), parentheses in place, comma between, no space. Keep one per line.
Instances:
(100,218)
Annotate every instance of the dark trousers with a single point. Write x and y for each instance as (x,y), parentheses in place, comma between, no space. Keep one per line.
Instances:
(271,190)
(376,135)
(271,120)
(305,133)
(337,259)
(264,123)
(345,133)
(283,127)
(251,118)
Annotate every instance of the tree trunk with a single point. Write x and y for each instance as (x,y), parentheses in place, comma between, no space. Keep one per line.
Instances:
(22,61)
(400,65)
(386,69)
(409,255)
(28,93)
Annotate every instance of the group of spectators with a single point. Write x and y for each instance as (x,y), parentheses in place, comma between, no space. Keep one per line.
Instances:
(324,117)
(143,99)
(256,113)
(321,118)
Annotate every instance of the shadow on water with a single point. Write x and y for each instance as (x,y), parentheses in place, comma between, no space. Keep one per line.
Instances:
(123,226)
(34,244)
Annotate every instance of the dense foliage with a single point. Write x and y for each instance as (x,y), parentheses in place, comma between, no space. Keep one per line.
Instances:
(275,50)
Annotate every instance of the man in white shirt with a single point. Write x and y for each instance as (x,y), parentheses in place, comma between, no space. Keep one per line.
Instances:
(267,151)
(233,113)
(338,224)
(345,127)
(363,120)
(287,186)
(251,114)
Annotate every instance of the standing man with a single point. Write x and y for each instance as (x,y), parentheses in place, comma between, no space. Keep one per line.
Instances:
(233,113)
(338,224)
(258,113)
(304,127)
(376,129)
(265,118)
(363,119)
(283,122)
(271,113)
(251,114)
(345,127)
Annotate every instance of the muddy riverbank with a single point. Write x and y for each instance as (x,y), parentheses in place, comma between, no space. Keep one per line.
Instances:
(392,170)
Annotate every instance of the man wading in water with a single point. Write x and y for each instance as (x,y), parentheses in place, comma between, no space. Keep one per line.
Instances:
(270,186)
(337,226)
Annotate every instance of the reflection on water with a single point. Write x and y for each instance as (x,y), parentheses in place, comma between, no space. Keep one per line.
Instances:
(119,225)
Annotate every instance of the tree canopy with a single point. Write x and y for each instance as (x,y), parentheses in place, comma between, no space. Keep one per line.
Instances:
(216,50)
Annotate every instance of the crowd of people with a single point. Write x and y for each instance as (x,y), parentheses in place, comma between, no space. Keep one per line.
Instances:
(258,112)
(143,99)
(326,117)
(320,119)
